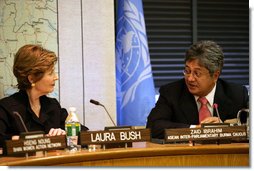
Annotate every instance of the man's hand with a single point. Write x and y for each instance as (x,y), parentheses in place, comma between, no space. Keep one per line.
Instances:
(211,120)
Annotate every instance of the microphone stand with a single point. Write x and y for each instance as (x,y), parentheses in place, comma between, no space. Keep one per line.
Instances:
(108,114)
(27,134)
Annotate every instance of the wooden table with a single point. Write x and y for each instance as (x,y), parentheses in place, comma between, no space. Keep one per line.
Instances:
(143,154)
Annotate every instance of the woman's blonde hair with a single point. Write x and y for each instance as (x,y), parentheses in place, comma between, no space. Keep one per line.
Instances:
(32,60)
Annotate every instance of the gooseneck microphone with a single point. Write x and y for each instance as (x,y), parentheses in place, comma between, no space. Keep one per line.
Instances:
(95,102)
(98,103)
(215,106)
(21,120)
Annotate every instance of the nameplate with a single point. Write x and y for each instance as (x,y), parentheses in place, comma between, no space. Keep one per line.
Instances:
(114,136)
(35,144)
(210,133)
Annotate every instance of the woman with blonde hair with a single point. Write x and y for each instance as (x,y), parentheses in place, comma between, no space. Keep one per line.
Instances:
(34,68)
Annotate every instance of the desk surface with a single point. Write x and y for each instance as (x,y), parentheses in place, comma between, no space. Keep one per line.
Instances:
(143,154)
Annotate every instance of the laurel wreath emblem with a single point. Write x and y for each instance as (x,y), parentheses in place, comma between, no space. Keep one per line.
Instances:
(136,19)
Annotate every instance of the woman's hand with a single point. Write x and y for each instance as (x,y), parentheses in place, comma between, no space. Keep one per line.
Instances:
(15,137)
(56,131)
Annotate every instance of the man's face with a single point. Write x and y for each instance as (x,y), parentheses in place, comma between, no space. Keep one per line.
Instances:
(198,79)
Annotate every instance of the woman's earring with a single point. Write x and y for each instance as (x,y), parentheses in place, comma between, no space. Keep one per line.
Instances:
(33,84)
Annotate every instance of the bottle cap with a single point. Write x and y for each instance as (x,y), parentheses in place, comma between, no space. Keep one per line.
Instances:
(72,117)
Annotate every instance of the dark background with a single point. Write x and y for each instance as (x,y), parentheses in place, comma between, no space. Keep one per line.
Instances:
(173,25)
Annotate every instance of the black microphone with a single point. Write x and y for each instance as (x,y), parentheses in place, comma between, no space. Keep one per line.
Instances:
(215,106)
(98,103)
(21,120)
(28,134)
(95,102)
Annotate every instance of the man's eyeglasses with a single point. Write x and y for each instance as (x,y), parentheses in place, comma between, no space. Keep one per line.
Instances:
(195,74)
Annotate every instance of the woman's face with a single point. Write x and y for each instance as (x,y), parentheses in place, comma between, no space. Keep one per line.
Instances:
(47,83)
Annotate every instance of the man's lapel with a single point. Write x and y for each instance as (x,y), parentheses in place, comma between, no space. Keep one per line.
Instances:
(224,103)
(189,107)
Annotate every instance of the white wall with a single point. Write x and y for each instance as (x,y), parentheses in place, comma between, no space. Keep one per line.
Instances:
(87,59)
(70,55)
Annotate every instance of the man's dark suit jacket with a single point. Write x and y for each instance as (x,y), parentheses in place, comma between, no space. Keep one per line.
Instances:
(52,115)
(176,106)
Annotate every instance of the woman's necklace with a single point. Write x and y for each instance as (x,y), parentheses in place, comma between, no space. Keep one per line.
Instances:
(36,109)
(34,103)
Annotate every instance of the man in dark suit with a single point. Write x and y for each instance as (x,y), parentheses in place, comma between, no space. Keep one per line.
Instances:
(178,104)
